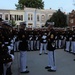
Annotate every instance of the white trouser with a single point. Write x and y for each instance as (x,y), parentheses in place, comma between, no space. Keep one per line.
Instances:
(16,44)
(63,42)
(59,44)
(23,60)
(31,44)
(28,44)
(34,43)
(38,44)
(7,65)
(73,47)
(43,46)
(67,45)
(51,60)
(56,43)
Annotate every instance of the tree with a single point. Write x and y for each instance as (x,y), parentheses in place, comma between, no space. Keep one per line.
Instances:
(13,23)
(30,3)
(59,19)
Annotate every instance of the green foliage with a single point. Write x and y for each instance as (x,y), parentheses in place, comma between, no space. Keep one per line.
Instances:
(30,3)
(12,22)
(59,19)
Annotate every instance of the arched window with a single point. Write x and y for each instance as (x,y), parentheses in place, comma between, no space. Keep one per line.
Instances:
(30,16)
(38,18)
(43,18)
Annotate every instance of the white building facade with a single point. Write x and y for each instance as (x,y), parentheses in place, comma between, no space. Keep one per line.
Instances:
(31,16)
(37,17)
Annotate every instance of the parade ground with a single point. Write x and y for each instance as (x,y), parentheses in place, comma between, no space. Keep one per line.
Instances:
(36,63)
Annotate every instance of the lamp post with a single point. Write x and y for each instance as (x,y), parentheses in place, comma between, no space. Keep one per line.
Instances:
(12,20)
(35,16)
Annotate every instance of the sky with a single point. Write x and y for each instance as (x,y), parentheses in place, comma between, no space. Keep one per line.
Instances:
(64,5)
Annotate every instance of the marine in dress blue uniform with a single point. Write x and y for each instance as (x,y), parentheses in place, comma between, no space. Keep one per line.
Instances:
(51,47)
(68,36)
(23,47)
(73,41)
(43,43)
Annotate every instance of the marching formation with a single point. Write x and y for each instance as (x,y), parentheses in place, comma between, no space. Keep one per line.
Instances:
(47,40)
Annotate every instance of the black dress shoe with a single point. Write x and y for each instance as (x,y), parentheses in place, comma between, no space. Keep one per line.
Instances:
(25,71)
(40,54)
(50,70)
(26,66)
(47,67)
(73,59)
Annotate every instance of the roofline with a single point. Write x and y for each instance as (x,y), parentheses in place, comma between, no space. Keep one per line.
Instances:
(28,8)
(10,10)
(40,9)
